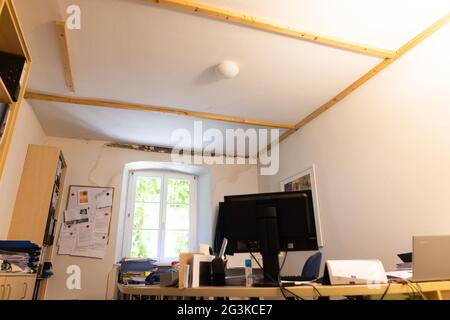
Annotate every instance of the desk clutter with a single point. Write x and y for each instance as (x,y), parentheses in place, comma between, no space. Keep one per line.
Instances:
(19,256)
(193,270)
(85,231)
(144,271)
(425,277)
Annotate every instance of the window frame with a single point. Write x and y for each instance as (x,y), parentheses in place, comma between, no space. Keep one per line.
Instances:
(130,210)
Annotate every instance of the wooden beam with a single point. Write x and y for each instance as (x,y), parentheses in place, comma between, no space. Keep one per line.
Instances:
(65,53)
(168,110)
(257,23)
(366,77)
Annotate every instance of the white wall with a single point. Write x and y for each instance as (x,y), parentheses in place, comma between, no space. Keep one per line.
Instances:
(27,131)
(90,163)
(382,157)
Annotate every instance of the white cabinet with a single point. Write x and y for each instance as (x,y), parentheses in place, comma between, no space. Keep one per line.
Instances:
(16,286)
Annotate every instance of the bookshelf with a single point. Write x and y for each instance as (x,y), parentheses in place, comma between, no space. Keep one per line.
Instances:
(38,201)
(14,73)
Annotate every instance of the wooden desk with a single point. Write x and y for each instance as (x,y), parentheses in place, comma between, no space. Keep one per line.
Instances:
(437,290)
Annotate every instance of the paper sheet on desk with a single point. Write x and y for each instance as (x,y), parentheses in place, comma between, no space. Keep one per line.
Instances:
(299,283)
(402,274)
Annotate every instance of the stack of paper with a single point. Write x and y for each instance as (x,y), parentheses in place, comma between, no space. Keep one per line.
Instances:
(25,255)
(133,271)
(401,274)
(403,271)
(404,266)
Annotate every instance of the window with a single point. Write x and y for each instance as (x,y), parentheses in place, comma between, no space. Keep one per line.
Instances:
(161,212)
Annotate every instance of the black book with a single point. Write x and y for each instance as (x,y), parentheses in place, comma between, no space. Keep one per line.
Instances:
(11,68)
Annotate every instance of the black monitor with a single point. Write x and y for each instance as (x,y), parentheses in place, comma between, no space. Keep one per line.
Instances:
(268,223)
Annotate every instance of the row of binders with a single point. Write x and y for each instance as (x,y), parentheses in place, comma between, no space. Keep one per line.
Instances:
(19,256)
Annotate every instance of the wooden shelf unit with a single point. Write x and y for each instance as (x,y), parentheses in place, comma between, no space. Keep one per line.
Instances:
(34,202)
(11,41)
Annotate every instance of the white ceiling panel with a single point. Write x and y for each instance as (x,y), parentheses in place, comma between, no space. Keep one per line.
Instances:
(140,52)
(137,127)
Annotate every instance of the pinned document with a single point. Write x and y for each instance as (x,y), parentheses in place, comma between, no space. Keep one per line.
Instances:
(103,199)
(79,214)
(83,197)
(87,218)
(102,219)
(84,234)
(67,239)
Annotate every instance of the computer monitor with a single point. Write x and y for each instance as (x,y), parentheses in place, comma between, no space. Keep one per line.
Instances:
(268,223)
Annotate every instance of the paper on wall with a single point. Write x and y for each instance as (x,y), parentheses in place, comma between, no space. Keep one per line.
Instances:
(96,249)
(83,197)
(67,239)
(88,216)
(80,213)
(103,199)
(102,219)
(98,245)
(73,200)
(80,251)
(64,228)
(84,234)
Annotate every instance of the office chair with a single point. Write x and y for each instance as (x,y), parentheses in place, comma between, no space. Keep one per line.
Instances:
(310,270)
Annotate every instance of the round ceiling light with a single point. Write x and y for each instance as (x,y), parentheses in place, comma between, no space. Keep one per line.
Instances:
(228,69)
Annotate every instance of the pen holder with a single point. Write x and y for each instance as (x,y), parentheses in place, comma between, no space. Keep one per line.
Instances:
(218,272)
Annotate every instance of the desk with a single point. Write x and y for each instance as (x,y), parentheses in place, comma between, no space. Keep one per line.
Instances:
(437,290)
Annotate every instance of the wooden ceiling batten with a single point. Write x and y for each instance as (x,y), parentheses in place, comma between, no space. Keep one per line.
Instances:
(65,53)
(261,24)
(140,107)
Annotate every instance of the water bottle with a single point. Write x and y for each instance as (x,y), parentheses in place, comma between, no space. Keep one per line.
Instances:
(248,273)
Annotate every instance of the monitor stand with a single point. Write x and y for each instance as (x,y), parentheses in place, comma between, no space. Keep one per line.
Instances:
(269,246)
(271,271)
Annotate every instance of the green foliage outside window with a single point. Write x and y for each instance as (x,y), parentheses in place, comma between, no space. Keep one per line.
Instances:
(149,190)
(178,191)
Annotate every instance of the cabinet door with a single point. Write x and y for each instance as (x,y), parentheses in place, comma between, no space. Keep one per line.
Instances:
(2,288)
(19,288)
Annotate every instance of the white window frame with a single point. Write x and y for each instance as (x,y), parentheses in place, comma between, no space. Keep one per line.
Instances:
(130,208)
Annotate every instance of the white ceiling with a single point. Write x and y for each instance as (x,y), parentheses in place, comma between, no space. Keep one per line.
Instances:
(132,50)
(97,123)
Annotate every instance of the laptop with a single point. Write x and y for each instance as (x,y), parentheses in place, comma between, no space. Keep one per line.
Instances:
(431,258)
(405,257)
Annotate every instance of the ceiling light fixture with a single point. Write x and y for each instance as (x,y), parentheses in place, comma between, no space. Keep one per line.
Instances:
(228,69)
